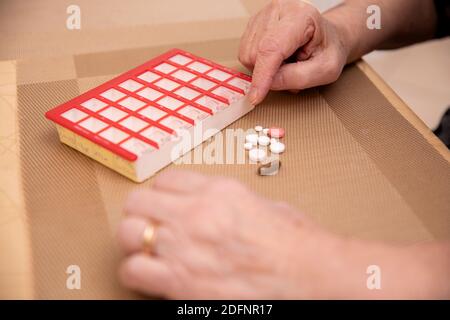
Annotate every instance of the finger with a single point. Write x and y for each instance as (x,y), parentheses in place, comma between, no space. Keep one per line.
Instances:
(246,41)
(255,30)
(130,235)
(146,274)
(304,74)
(266,22)
(277,45)
(180,181)
(152,204)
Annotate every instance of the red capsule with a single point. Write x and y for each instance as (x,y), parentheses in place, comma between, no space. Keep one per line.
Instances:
(275,132)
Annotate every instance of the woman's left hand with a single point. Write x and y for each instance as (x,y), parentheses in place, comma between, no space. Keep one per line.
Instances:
(217,239)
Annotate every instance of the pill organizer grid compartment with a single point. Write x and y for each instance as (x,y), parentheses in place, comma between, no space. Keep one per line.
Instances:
(130,123)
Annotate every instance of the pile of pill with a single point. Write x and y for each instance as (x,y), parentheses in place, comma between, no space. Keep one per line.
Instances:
(264,137)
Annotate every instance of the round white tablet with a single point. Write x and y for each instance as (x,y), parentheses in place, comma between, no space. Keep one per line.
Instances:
(258,128)
(257,155)
(252,138)
(266,131)
(248,146)
(277,147)
(264,140)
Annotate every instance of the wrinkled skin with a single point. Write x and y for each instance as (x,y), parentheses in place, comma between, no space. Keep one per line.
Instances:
(294,30)
(217,239)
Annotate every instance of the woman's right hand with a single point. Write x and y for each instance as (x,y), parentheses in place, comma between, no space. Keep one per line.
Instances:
(291,29)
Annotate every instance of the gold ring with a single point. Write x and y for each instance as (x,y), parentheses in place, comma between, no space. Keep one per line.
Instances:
(148,238)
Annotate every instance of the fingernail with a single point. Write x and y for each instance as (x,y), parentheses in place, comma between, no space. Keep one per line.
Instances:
(253,95)
(277,81)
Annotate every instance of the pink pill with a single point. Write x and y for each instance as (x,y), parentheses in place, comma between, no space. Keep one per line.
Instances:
(275,132)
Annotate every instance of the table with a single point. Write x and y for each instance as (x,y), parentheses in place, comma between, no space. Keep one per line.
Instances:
(358,160)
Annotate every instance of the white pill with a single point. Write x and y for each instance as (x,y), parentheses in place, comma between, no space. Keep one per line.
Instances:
(264,140)
(273,140)
(258,128)
(277,147)
(266,131)
(252,138)
(257,155)
(248,146)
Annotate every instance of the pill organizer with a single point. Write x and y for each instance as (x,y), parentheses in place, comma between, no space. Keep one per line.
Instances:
(131,123)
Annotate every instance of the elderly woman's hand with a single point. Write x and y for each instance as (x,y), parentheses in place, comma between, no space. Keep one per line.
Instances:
(217,239)
(291,29)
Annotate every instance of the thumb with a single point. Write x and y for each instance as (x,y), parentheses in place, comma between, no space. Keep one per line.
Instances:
(305,74)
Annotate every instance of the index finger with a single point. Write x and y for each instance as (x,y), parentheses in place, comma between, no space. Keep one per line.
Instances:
(278,44)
